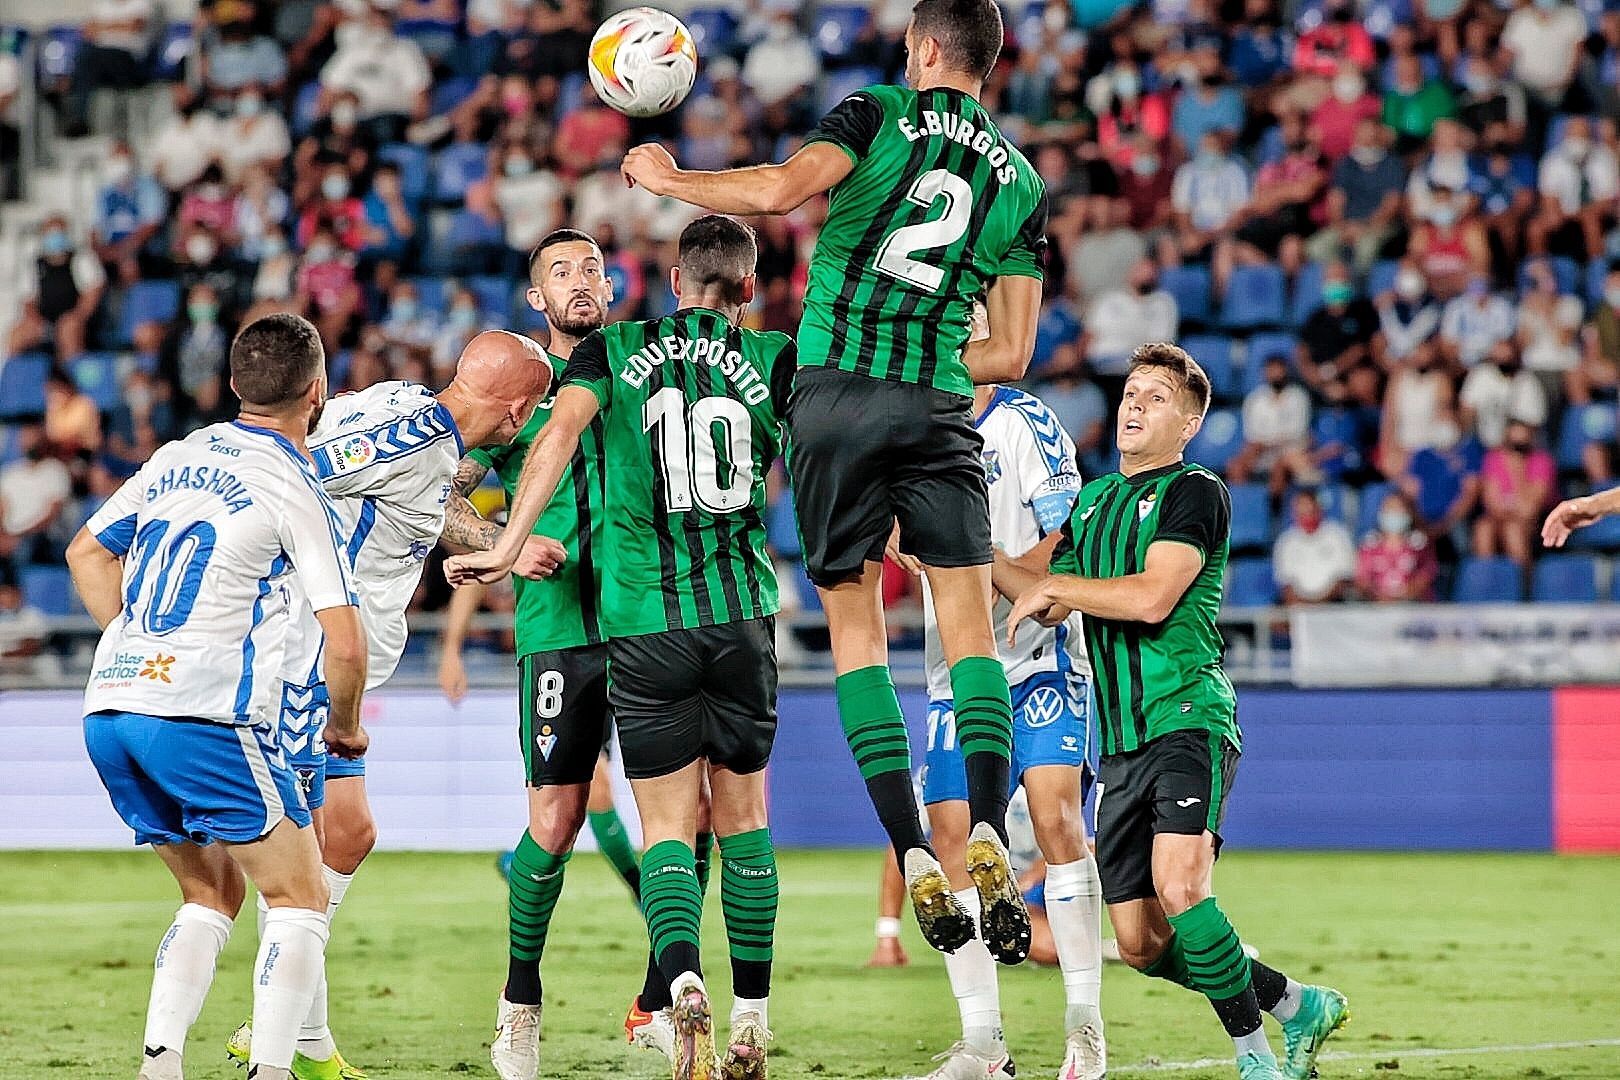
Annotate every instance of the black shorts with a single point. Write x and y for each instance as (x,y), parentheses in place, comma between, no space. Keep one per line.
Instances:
(1178,784)
(864,453)
(681,695)
(564,723)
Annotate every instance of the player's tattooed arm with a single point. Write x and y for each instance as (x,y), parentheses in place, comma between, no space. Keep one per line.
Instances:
(464,526)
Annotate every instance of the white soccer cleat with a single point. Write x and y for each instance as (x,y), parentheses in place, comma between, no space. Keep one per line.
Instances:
(965,1062)
(650,1030)
(1087,1054)
(515,1053)
(745,1048)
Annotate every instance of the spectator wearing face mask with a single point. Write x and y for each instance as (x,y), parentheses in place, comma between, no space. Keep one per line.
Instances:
(1123,109)
(1288,202)
(1123,318)
(143,420)
(336,139)
(528,193)
(1276,432)
(1208,197)
(201,351)
(1339,38)
(327,288)
(188,143)
(462,323)
(1417,411)
(1211,104)
(1314,561)
(784,62)
(1487,101)
(61,287)
(130,211)
(387,74)
(1504,191)
(1472,324)
(275,280)
(1543,41)
(260,207)
(1364,201)
(202,260)
(1414,102)
(1344,431)
(233,55)
(1396,562)
(336,211)
(1497,393)
(1408,317)
(389,224)
(1335,336)
(1447,167)
(1443,482)
(1518,484)
(1342,111)
(1600,343)
(1549,323)
(1450,247)
(254,135)
(1146,187)
(207,203)
(34,491)
(408,325)
(1103,256)
(1579,184)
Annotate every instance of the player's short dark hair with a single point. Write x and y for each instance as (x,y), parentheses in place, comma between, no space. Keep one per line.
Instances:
(274,359)
(551,240)
(1184,371)
(718,251)
(968,31)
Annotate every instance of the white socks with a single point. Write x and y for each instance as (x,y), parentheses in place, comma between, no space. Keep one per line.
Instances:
(290,966)
(181,976)
(1287,1006)
(972,971)
(740,1005)
(1074,909)
(314,1037)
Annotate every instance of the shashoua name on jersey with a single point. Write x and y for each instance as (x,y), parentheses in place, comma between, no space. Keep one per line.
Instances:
(1152,680)
(387,455)
(210,529)
(937,205)
(692,411)
(1029,461)
(560,612)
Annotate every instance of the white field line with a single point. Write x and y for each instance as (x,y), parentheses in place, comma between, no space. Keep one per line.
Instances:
(1383,1055)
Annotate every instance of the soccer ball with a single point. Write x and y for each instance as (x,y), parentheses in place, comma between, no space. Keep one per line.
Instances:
(643,62)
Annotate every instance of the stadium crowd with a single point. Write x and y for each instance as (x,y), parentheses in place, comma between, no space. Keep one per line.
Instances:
(1385,227)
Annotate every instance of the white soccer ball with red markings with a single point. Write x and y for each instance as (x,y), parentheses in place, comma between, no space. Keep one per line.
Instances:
(643,62)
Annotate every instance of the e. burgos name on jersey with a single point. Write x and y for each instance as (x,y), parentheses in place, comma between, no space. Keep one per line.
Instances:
(958,130)
(640,365)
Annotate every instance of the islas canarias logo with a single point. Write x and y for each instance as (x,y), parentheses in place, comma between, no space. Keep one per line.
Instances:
(157,668)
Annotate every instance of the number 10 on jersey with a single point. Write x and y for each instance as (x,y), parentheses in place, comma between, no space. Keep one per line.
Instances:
(690,442)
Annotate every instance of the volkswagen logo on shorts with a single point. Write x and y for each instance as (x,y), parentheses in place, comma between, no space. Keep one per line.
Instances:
(1042,707)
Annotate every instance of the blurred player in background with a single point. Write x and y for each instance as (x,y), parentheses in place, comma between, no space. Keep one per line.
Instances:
(387,455)
(1143,560)
(929,204)
(691,407)
(186,569)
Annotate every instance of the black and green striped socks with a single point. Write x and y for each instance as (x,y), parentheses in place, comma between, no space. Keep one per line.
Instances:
(875,729)
(533,885)
(614,843)
(984,732)
(673,904)
(1218,968)
(654,989)
(748,894)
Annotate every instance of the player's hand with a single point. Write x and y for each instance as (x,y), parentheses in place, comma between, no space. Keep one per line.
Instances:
(453,676)
(909,563)
(651,166)
(349,745)
(1040,604)
(888,953)
(979,322)
(540,558)
(487,567)
(1566,517)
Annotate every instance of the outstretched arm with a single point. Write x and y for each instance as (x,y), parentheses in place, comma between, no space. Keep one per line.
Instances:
(1146,597)
(464,526)
(1572,514)
(756,189)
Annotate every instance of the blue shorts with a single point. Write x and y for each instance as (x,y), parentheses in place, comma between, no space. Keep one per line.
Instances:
(1050,726)
(1035,895)
(174,781)
(298,732)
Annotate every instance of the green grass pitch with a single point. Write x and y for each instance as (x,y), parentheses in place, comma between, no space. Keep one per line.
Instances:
(1435,952)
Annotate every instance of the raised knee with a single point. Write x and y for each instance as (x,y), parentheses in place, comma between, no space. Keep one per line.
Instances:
(1178,896)
(1138,954)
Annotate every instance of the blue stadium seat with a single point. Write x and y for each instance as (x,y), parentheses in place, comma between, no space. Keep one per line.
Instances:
(1337,501)
(22,385)
(1190,285)
(59,51)
(1252,526)
(530,320)
(1306,295)
(1381,278)
(306,109)
(1371,498)
(782,528)
(169,58)
(1493,580)
(1596,271)
(494,295)
(1214,354)
(1256,296)
(432,294)
(96,373)
(1218,440)
(1263,347)
(48,588)
(1565,579)
(1059,325)
(1565,270)
(1249,583)
(148,301)
(1603,535)
(714,29)
(838,85)
(457,167)
(1583,424)
(413,165)
(838,27)
(434,38)
(449,93)
(9,439)
(808,597)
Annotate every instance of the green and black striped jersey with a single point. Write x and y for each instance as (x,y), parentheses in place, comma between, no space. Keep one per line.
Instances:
(692,411)
(937,206)
(1152,680)
(561,611)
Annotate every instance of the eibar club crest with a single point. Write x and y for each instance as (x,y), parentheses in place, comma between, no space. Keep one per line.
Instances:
(1145,505)
(546,741)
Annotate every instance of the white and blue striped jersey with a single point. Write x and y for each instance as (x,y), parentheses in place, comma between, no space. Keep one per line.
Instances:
(211,529)
(387,455)
(1030,462)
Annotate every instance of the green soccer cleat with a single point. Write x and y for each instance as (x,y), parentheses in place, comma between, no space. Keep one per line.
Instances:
(238,1046)
(1322,1011)
(1258,1067)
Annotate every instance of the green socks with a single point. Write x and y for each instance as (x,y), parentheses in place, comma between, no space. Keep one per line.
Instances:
(614,843)
(533,885)
(673,904)
(875,729)
(1216,964)
(1171,966)
(984,732)
(748,894)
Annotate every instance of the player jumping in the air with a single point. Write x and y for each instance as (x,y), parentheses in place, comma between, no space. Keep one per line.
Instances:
(564,722)
(691,406)
(930,205)
(1029,462)
(185,568)
(387,455)
(1143,559)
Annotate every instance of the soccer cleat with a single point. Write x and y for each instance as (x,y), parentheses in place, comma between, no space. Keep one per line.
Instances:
(965,1062)
(238,1046)
(650,1030)
(515,1050)
(1087,1054)
(1322,1011)
(1258,1067)
(1003,918)
(694,1033)
(944,922)
(745,1050)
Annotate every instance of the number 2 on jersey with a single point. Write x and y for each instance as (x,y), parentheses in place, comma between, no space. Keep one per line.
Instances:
(690,451)
(894,256)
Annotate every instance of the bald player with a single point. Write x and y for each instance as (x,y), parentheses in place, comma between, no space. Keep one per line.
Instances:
(387,455)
